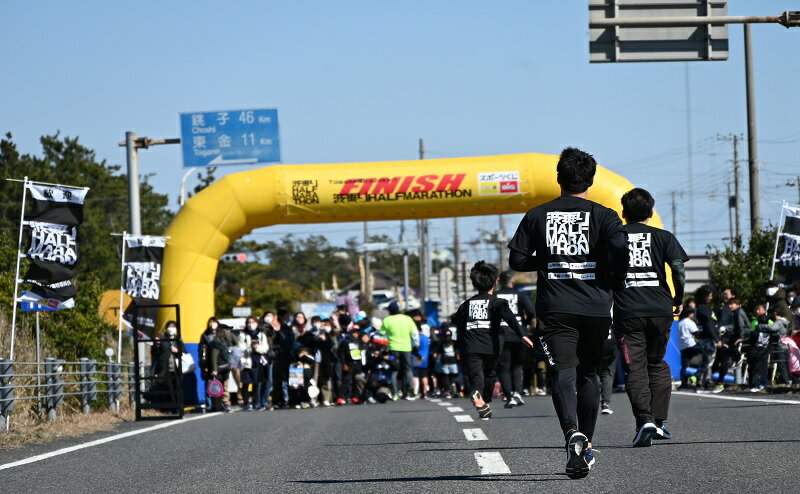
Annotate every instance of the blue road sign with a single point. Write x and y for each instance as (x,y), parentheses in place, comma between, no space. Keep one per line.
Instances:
(236,137)
(33,307)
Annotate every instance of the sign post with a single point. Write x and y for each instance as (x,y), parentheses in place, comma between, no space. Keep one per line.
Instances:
(235,137)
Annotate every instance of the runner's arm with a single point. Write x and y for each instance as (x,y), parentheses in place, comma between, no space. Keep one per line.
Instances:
(510,319)
(678,280)
(527,308)
(521,262)
(620,257)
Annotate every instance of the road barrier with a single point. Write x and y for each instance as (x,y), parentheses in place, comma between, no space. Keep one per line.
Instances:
(49,383)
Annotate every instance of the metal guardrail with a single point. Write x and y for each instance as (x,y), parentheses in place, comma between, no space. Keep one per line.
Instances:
(48,383)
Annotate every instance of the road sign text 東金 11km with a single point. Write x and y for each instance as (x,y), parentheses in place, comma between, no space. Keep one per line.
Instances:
(235,137)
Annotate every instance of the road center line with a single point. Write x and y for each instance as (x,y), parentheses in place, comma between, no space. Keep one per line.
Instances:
(737,398)
(77,447)
(455,409)
(462,418)
(475,435)
(491,463)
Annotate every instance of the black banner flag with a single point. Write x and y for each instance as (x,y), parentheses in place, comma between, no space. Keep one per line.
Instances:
(142,281)
(52,246)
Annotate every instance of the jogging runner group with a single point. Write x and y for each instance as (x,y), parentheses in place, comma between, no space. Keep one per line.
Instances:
(590,268)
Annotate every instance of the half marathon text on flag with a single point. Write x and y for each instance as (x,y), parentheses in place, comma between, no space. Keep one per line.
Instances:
(142,281)
(788,262)
(52,244)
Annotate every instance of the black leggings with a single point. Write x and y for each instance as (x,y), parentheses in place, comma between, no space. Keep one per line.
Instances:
(481,371)
(581,382)
(509,367)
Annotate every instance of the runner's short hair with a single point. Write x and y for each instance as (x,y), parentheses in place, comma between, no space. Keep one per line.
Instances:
(506,277)
(575,170)
(734,300)
(483,276)
(637,205)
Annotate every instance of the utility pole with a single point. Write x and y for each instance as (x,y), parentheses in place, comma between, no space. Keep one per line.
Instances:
(752,138)
(674,213)
(134,208)
(457,255)
(731,203)
(734,201)
(424,257)
(689,153)
(367,288)
(132,144)
(405,264)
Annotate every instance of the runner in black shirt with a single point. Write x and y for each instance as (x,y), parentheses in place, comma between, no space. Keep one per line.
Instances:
(643,315)
(509,365)
(579,250)
(480,337)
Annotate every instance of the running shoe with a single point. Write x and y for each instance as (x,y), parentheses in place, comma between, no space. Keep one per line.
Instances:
(577,459)
(395,397)
(340,401)
(540,392)
(519,399)
(757,389)
(410,397)
(719,388)
(644,435)
(526,392)
(605,409)
(511,403)
(371,400)
(589,455)
(326,403)
(484,410)
(354,401)
(663,433)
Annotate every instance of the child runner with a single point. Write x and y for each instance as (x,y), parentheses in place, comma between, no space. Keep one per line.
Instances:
(480,337)
(643,315)
(578,248)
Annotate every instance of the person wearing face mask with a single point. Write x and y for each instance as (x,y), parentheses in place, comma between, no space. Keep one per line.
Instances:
(165,346)
(327,347)
(267,334)
(284,352)
(776,298)
(203,352)
(166,357)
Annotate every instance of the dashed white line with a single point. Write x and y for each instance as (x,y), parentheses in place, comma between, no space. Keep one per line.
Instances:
(455,409)
(444,404)
(462,418)
(434,400)
(738,398)
(491,463)
(475,435)
(63,451)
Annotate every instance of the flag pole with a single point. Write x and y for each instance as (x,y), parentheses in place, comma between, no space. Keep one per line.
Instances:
(121,295)
(778,234)
(16,276)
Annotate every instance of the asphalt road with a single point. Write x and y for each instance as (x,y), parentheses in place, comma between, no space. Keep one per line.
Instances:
(719,445)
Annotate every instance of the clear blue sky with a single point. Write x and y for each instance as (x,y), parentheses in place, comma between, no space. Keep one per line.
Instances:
(363,80)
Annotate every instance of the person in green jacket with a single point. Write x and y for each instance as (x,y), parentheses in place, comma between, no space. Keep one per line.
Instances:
(401,331)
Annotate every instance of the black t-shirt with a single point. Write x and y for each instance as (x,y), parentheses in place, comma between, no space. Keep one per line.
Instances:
(478,322)
(521,306)
(646,292)
(569,236)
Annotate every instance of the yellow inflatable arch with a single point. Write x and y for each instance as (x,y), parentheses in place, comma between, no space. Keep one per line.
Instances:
(230,208)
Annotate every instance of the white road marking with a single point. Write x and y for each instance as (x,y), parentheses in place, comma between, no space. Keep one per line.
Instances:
(444,404)
(737,398)
(434,400)
(475,435)
(77,447)
(455,409)
(491,463)
(462,418)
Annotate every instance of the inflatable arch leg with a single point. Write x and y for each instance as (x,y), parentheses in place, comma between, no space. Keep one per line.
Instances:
(230,208)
